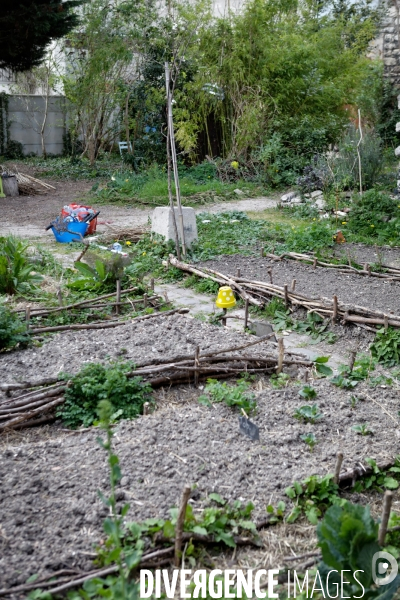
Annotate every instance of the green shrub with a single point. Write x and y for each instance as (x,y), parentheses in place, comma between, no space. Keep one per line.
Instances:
(12,330)
(16,274)
(97,382)
(233,395)
(376,215)
(386,346)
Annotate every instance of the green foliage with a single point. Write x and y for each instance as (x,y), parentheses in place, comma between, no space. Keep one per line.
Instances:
(101,276)
(307,392)
(42,23)
(204,286)
(308,413)
(362,429)
(96,382)
(74,168)
(226,233)
(316,327)
(313,496)
(347,537)
(279,381)
(386,346)
(321,367)
(309,439)
(274,306)
(375,215)
(361,369)
(12,330)
(276,514)
(233,395)
(343,382)
(16,273)
(380,480)
(301,238)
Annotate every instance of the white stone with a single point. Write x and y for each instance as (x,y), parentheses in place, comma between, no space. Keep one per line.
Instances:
(162,223)
(288,197)
(325,216)
(316,194)
(398,126)
(320,203)
(390,62)
(239,192)
(398,101)
(397,151)
(296,200)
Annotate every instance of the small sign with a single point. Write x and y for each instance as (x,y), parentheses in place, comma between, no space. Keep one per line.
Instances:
(248,428)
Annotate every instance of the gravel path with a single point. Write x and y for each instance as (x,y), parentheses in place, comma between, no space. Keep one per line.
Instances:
(353,289)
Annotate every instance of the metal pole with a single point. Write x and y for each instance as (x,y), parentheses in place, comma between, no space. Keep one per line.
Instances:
(173,153)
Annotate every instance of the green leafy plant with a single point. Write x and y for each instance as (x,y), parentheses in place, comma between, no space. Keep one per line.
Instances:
(277,513)
(307,392)
(13,331)
(347,537)
(307,413)
(309,439)
(279,381)
(232,395)
(386,346)
(98,382)
(343,382)
(316,327)
(362,429)
(321,367)
(17,274)
(353,401)
(313,496)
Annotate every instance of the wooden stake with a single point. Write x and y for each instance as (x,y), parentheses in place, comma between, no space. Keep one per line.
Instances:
(270,275)
(353,355)
(145,300)
(196,366)
(335,309)
(369,270)
(293,285)
(28,316)
(281,354)
(223,320)
(286,295)
(338,466)
(315,263)
(59,296)
(152,284)
(179,524)
(237,272)
(305,377)
(246,314)
(386,322)
(387,504)
(146,407)
(118,298)
(262,251)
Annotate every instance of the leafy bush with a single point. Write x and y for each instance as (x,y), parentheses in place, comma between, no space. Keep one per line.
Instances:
(386,346)
(96,382)
(12,330)
(16,273)
(101,276)
(306,238)
(375,215)
(347,536)
(313,496)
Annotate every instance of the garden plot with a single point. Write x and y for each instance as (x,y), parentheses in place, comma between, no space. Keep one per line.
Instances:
(52,517)
(313,283)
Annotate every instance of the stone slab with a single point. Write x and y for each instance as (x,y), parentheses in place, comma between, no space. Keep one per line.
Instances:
(162,223)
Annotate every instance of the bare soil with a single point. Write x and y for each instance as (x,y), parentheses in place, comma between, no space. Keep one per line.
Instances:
(52,517)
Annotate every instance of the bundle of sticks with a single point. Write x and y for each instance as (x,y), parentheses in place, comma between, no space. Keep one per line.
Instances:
(258,293)
(391,273)
(38,405)
(28,185)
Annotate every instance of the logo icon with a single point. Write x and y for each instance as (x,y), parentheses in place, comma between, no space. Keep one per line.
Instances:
(381,561)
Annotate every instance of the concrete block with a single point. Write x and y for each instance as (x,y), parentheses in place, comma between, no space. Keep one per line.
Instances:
(162,223)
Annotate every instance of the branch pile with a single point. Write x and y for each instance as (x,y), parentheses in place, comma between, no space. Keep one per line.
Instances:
(259,293)
(391,273)
(38,405)
(122,234)
(28,185)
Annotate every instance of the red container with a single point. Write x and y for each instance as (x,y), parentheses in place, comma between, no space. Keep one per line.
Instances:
(80,212)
